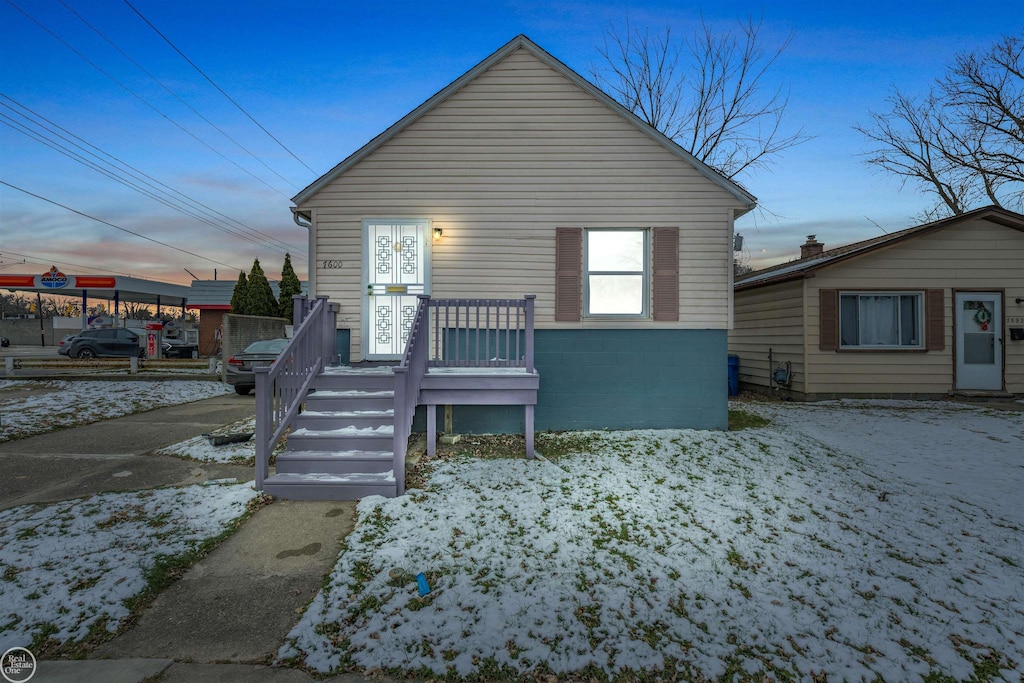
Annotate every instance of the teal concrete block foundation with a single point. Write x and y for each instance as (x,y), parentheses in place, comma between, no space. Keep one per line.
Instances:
(616,379)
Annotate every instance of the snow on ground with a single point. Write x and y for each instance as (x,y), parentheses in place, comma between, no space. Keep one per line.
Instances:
(791,550)
(38,406)
(978,461)
(69,566)
(200,448)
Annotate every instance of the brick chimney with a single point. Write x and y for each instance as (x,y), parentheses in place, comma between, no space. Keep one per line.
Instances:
(812,247)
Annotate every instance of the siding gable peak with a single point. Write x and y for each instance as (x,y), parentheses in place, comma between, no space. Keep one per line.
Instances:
(744,198)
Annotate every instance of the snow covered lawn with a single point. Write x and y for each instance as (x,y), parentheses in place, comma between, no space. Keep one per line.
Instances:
(69,567)
(38,406)
(199,447)
(827,545)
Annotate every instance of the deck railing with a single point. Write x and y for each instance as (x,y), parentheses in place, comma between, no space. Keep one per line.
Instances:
(482,332)
(282,386)
(457,333)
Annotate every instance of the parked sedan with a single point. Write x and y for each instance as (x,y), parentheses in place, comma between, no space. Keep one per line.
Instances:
(240,373)
(65,343)
(106,343)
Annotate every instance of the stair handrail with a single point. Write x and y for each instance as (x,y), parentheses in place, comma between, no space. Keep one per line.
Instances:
(408,379)
(282,386)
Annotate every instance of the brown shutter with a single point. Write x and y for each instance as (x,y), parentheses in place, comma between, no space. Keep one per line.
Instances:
(935,320)
(568,273)
(828,319)
(665,269)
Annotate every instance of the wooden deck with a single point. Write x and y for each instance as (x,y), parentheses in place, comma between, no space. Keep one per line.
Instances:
(351,438)
(486,386)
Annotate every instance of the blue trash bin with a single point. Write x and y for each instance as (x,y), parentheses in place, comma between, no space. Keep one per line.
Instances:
(734,375)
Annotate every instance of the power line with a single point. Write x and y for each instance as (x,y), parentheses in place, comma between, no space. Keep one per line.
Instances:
(127,183)
(175,95)
(221,91)
(115,173)
(43,262)
(144,101)
(116,227)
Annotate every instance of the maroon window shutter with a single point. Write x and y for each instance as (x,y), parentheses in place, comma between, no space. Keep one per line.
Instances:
(665,269)
(935,320)
(828,319)
(568,273)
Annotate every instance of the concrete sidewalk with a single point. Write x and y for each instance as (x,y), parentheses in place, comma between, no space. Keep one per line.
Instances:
(225,619)
(109,455)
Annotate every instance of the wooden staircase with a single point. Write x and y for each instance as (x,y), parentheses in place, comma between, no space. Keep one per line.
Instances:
(341,446)
(349,427)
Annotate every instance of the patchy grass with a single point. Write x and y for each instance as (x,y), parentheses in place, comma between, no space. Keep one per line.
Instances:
(741,419)
(58,404)
(667,555)
(92,564)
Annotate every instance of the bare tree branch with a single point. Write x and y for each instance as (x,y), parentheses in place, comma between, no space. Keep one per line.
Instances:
(718,108)
(964,141)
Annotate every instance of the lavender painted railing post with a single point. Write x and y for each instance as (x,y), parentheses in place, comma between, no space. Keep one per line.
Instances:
(298,309)
(529,331)
(401,437)
(331,356)
(263,428)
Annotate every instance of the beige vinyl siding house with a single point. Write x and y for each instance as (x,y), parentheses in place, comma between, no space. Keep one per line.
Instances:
(948,266)
(514,150)
(497,166)
(770,320)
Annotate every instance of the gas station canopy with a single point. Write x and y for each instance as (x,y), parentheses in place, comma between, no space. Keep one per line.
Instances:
(118,288)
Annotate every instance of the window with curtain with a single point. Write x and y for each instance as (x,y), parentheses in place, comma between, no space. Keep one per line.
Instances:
(616,272)
(881,320)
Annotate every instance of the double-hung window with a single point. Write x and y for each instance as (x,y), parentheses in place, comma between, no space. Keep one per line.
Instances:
(881,320)
(616,266)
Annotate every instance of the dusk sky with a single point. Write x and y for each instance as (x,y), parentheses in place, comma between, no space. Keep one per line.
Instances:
(326,77)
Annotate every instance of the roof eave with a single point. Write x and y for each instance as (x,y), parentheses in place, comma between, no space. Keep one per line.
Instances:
(787,277)
(994,214)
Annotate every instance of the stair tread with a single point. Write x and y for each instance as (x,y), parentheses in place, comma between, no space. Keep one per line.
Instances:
(327,477)
(390,412)
(381,431)
(348,370)
(338,455)
(351,393)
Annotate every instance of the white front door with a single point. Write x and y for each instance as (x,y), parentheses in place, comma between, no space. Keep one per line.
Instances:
(396,265)
(979,340)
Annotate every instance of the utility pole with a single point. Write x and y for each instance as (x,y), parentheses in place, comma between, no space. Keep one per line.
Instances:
(39,312)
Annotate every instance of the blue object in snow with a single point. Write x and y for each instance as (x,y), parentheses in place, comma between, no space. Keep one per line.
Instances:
(421,581)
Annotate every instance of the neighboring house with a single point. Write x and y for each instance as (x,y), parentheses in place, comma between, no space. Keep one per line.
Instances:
(212,298)
(521,177)
(925,312)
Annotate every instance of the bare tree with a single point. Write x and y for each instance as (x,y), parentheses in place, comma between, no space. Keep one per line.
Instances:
(716,104)
(136,311)
(963,142)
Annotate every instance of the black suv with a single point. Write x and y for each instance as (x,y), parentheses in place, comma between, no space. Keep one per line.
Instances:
(107,342)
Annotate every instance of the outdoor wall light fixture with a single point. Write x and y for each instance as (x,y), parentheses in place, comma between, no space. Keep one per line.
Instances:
(1019,300)
(437,234)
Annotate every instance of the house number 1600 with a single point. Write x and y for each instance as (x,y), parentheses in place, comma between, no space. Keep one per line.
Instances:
(332,264)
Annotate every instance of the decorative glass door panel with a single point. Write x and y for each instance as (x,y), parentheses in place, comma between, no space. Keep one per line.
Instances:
(979,350)
(397,268)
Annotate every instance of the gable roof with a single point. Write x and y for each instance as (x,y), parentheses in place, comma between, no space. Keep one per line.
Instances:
(521,41)
(805,267)
(217,293)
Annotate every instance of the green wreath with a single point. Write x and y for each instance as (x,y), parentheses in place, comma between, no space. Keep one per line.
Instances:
(983,316)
